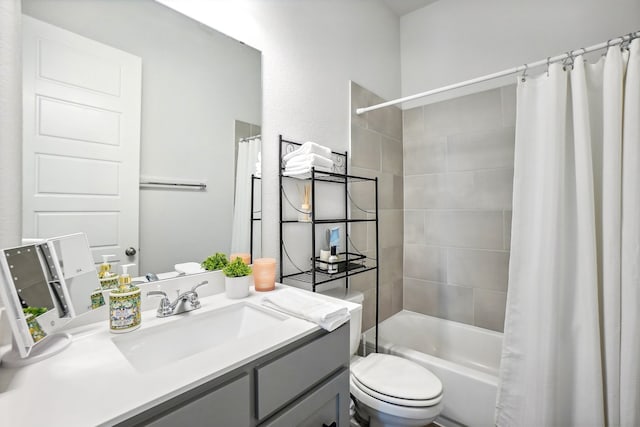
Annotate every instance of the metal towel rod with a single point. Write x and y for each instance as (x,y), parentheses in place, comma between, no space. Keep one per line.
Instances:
(200,186)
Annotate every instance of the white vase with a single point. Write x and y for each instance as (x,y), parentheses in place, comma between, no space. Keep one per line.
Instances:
(237,287)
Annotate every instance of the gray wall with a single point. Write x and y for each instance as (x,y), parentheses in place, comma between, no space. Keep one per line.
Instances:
(195,83)
(376,151)
(458,179)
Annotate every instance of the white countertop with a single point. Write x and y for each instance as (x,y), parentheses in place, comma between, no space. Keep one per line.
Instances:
(92,383)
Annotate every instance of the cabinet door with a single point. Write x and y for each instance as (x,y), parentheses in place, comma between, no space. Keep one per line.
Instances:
(325,405)
(225,406)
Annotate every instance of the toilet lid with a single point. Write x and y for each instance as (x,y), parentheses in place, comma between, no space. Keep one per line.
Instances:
(396,377)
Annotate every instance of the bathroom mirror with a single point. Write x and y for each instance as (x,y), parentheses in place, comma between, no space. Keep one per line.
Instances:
(44,285)
(197,84)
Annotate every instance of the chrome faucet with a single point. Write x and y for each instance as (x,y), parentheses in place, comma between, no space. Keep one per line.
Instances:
(186,301)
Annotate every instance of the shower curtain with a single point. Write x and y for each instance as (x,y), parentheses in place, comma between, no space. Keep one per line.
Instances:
(245,165)
(572,329)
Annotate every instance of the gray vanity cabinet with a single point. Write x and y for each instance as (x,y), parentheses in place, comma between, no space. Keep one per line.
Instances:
(306,383)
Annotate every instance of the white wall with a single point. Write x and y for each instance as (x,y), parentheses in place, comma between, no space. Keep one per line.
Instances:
(311,49)
(455,40)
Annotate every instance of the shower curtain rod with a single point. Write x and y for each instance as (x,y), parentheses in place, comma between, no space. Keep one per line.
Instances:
(521,68)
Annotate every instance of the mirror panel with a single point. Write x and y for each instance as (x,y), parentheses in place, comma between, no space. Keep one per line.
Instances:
(196,83)
(45,285)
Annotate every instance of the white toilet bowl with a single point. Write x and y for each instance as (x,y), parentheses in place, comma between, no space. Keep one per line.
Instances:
(392,391)
(389,390)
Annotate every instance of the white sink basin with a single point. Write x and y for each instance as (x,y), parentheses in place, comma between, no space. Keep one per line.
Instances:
(193,332)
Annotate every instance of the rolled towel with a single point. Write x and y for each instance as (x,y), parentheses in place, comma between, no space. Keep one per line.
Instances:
(189,268)
(304,305)
(309,160)
(309,148)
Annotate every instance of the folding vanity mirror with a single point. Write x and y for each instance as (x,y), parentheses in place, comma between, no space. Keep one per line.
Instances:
(44,285)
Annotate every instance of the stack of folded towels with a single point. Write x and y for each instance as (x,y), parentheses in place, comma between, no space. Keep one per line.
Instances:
(306,306)
(299,162)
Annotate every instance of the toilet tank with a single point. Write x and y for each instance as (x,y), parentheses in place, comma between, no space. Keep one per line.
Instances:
(356,313)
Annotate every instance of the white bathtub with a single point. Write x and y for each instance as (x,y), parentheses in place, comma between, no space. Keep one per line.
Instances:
(465,358)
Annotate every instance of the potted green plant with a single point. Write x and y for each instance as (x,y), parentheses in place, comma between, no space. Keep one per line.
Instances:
(215,262)
(237,279)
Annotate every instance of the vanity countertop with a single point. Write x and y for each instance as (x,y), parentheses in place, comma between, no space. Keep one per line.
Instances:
(92,383)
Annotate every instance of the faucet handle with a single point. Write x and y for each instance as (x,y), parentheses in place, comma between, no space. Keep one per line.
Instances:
(164,309)
(159,293)
(204,282)
(193,296)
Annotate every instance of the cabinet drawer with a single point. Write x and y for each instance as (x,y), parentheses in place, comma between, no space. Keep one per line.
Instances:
(225,406)
(281,380)
(325,405)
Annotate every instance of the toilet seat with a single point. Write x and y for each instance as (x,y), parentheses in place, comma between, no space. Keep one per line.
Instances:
(396,400)
(407,412)
(396,386)
(397,378)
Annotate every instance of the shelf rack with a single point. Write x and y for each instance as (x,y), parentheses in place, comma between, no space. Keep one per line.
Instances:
(255,215)
(351,263)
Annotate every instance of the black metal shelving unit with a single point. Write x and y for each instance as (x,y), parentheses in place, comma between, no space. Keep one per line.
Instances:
(352,262)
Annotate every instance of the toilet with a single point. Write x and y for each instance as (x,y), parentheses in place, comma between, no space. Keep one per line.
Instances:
(389,390)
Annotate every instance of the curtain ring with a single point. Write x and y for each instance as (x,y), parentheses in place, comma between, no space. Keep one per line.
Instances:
(548,63)
(626,41)
(568,61)
(523,78)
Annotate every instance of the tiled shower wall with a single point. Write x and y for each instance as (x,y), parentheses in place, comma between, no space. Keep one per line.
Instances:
(376,151)
(458,180)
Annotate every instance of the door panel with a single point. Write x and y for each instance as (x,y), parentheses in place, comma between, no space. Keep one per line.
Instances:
(81,155)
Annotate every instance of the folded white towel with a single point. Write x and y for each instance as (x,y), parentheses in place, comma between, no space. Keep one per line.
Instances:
(189,268)
(309,148)
(309,160)
(304,305)
(303,172)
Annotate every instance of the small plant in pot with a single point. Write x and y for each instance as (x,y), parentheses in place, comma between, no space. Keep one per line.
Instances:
(215,262)
(237,279)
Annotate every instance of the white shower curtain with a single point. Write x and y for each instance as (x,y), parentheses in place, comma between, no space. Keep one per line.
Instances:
(247,158)
(571,354)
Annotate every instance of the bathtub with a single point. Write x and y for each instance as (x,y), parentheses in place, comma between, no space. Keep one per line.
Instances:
(465,358)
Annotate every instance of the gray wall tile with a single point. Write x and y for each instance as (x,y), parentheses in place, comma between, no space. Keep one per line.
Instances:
(365,148)
(425,158)
(493,189)
(458,184)
(440,300)
(390,263)
(412,126)
(488,149)
(466,229)
(377,151)
(414,227)
(489,309)
(508,96)
(390,222)
(387,121)
(476,112)
(425,262)
(360,97)
(390,191)
(478,268)
(392,156)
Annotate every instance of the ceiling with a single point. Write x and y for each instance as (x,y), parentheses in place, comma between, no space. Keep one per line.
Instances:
(402,7)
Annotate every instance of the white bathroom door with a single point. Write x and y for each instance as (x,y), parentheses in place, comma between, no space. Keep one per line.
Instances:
(81,140)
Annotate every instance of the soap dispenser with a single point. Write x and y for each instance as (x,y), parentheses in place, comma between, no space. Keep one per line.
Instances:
(108,279)
(124,304)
